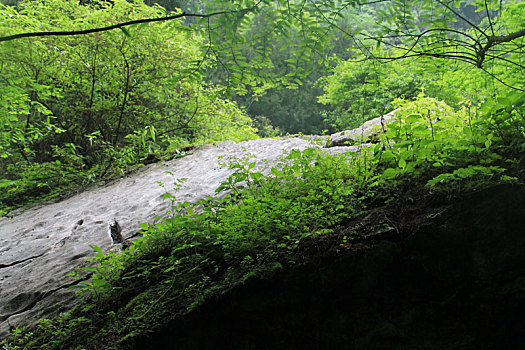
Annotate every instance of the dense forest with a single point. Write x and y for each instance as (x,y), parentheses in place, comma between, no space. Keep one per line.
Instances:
(89,107)
(92,90)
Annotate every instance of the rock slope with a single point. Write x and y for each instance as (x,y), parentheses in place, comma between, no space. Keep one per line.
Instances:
(41,246)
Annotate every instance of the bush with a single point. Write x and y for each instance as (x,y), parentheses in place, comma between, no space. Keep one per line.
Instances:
(109,98)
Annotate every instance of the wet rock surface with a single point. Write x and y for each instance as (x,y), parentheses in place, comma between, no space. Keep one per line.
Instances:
(458,282)
(41,246)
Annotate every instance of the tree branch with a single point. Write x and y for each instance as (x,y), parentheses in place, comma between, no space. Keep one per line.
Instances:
(463,18)
(495,40)
(118,25)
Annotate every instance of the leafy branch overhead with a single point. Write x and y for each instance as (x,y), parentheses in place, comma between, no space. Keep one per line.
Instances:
(460,30)
(121,26)
(474,32)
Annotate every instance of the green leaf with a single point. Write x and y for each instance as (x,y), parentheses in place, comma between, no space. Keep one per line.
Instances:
(294,154)
(78,286)
(98,283)
(412,118)
(387,156)
(389,173)
(96,248)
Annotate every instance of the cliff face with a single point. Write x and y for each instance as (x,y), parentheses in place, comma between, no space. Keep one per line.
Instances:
(446,276)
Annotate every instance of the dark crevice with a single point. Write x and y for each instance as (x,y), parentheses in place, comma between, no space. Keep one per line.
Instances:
(3,266)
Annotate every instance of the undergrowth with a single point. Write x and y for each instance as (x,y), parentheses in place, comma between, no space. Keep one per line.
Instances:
(261,218)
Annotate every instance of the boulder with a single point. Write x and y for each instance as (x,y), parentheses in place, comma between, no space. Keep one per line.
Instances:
(362,134)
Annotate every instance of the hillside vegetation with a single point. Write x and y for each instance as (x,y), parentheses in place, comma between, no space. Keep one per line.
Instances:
(77,109)
(269,223)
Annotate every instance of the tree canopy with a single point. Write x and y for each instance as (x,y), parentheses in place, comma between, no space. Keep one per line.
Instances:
(101,84)
(472,31)
(77,109)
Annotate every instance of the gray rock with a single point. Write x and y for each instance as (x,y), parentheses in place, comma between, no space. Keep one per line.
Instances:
(39,247)
(361,134)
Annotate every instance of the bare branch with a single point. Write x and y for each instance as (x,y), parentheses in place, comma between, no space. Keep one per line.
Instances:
(463,18)
(488,16)
(502,58)
(501,81)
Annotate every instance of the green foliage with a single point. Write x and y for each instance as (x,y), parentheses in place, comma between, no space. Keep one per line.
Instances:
(264,127)
(412,55)
(40,180)
(289,111)
(468,179)
(483,37)
(452,150)
(360,89)
(283,89)
(103,269)
(258,46)
(55,331)
(266,219)
(307,195)
(265,28)
(92,106)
